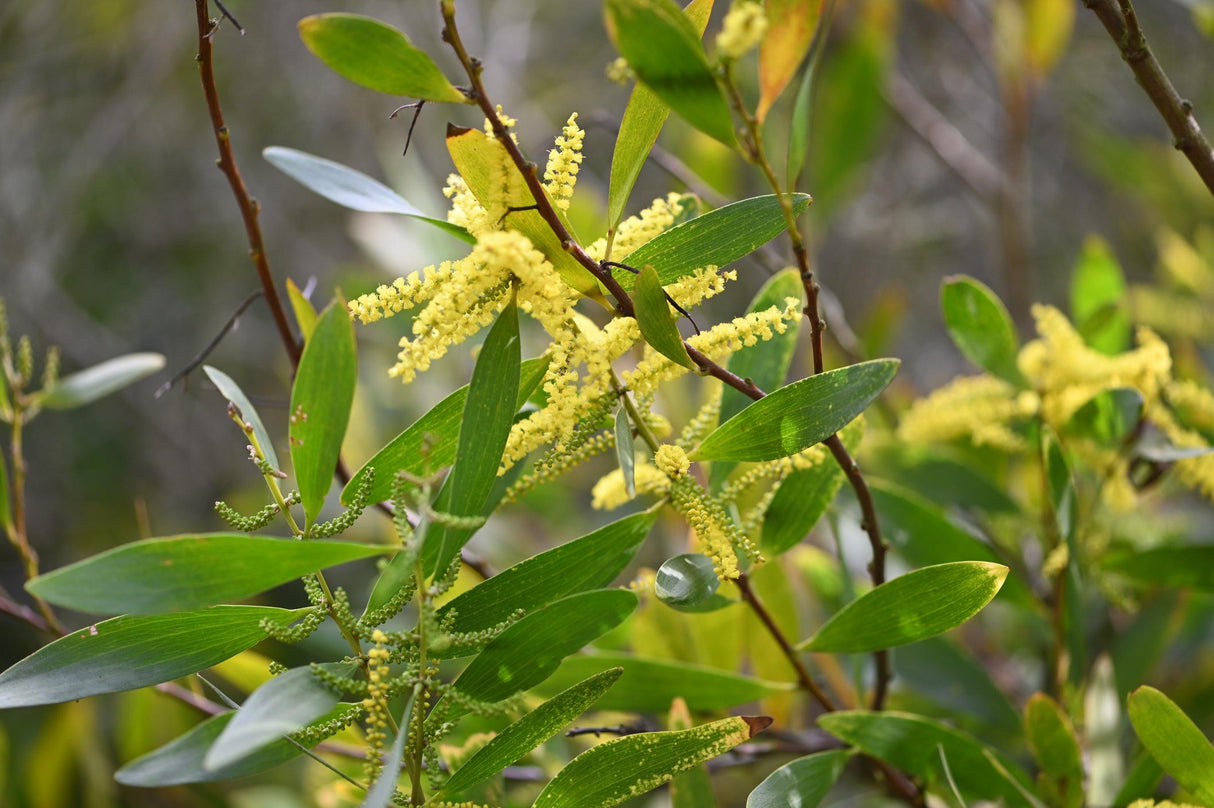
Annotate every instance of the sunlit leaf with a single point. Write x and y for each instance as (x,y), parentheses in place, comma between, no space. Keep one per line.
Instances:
(98,381)
(377,56)
(1174,741)
(799,415)
(1098,296)
(920,604)
(790,29)
(305,312)
(537,726)
(349,188)
(981,327)
(126,653)
(663,46)
(621,768)
(248,413)
(717,238)
(803,783)
(320,405)
(179,573)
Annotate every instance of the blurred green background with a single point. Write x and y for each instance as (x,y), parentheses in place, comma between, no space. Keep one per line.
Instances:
(964,136)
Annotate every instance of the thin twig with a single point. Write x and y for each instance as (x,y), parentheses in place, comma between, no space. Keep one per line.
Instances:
(227,164)
(202,355)
(1121,21)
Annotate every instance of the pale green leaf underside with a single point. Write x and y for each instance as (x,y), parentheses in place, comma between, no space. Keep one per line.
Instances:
(100,380)
(230,390)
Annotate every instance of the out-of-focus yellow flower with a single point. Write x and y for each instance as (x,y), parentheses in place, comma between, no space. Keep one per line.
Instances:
(742,29)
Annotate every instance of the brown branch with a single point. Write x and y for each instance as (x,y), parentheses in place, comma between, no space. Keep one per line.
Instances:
(227,164)
(1120,20)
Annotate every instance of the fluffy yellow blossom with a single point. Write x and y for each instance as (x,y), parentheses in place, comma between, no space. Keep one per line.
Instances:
(672,460)
(692,290)
(610,491)
(640,229)
(466,211)
(979,407)
(563,162)
(742,29)
(1160,804)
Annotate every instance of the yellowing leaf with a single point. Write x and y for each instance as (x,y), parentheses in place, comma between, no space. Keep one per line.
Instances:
(1047,30)
(790,29)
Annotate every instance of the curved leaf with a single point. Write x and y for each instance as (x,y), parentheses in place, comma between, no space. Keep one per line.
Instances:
(622,768)
(1174,741)
(790,30)
(349,188)
(717,238)
(320,405)
(179,573)
(126,653)
(663,46)
(654,318)
(915,745)
(285,704)
(100,380)
(803,783)
(686,580)
(530,731)
(920,604)
(377,56)
(232,392)
(650,685)
(799,415)
(438,431)
(979,324)
(529,651)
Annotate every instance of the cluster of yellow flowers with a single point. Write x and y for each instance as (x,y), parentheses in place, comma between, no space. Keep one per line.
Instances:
(742,29)
(1064,374)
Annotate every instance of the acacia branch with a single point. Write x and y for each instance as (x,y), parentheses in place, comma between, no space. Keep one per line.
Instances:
(1121,21)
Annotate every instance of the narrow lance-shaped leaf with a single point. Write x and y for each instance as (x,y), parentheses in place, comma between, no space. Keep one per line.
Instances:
(1173,567)
(305,312)
(1174,741)
(100,380)
(717,238)
(530,731)
(350,189)
(663,46)
(979,324)
(796,417)
(806,779)
(126,653)
(527,652)
(920,604)
(913,744)
(790,29)
(1052,739)
(622,768)
(485,425)
(653,317)
(624,451)
(320,405)
(377,56)
(437,431)
(693,787)
(639,128)
(248,413)
(179,573)
(285,704)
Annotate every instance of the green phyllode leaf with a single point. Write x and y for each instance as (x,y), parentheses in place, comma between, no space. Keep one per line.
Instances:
(181,573)
(530,731)
(98,381)
(287,703)
(1098,296)
(320,405)
(799,503)
(438,432)
(1173,567)
(803,783)
(799,415)
(248,413)
(377,56)
(485,425)
(979,324)
(662,45)
(920,604)
(590,562)
(305,312)
(655,321)
(914,743)
(619,769)
(650,685)
(349,188)
(639,127)
(527,652)
(717,238)
(1052,739)
(1174,741)
(126,653)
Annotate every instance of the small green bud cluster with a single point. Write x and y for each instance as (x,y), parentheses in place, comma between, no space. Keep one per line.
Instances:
(342,523)
(258,521)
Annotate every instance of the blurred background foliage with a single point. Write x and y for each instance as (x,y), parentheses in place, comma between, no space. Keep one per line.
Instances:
(1000,138)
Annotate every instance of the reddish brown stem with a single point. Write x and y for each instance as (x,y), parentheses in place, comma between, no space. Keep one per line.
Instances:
(227,164)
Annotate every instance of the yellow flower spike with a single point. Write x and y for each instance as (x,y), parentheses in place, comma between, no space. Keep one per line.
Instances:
(563,162)
(610,492)
(640,229)
(742,29)
(672,460)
